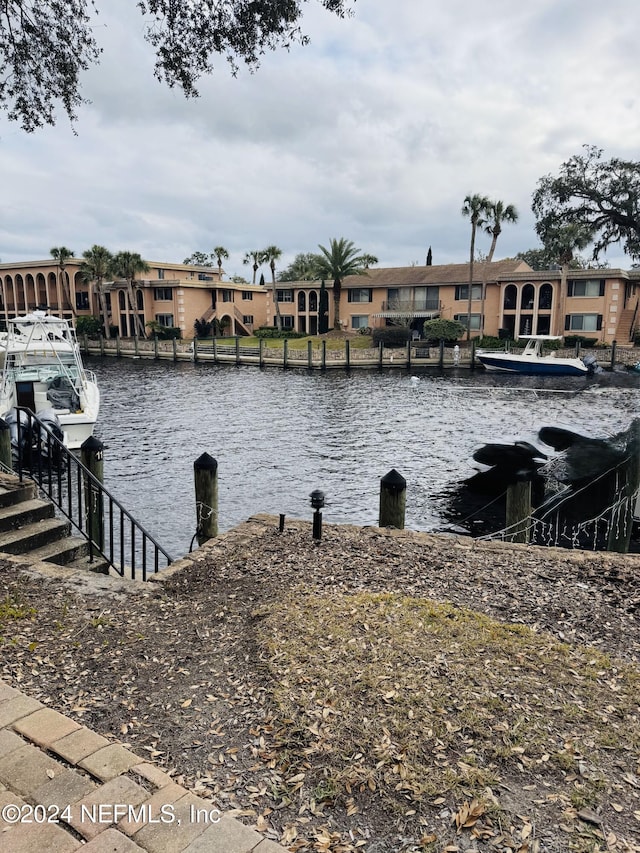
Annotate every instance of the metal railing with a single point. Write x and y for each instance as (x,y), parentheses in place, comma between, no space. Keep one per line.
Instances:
(112,533)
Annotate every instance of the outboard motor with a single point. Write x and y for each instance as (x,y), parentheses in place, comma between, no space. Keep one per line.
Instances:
(591,363)
(32,437)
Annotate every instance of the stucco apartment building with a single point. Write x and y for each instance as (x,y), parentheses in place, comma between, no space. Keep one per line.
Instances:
(595,303)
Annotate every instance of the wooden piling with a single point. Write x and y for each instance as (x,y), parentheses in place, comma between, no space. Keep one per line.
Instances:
(628,481)
(261,352)
(92,457)
(155,348)
(6,462)
(285,353)
(237,349)
(393,499)
(441,356)
(324,354)
(347,353)
(205,473)
(380,353)
(518,511)
(614,347)
(175,348)
(310,355)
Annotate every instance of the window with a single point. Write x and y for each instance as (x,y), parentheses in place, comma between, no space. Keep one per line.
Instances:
(462,292)
(162,294)
(226,295)
(302,301)
(583,322)
(359,321)
(360,294)
(287,321)
(475,320)
(588,287)
(284,296)
(313,301)
(165,320)
(247,319)
(82,300)
(160,274)
(510,297)
(247,295)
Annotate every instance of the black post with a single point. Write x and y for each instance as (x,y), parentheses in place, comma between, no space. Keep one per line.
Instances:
(613,354)
(205,473)
(393,499)
(473,354)
(92,457)
(317,502)
(310,354)
(285,352)
(155,347)
(380,353)
(175,348)
(324,355)
(441,360)
(5,446)
(347,353)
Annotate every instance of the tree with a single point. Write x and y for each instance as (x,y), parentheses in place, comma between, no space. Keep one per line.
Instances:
(269,256)
(61,254)
(337,262)
(220,254)
(302,268)
(94,269)
(255,259)
(202,327)
(128,265)
(474,208)
(600,196)
(544,259)
(369,261)
(323,309)
(199,259)
(45,45)
(497,213)
(561,242)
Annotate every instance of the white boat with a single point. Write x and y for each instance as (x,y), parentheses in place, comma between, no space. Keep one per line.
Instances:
(532,362)
(43,371)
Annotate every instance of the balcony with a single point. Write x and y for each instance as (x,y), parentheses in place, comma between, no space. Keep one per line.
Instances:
(410,309)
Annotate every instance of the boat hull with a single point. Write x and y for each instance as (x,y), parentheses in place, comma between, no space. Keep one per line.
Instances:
(533,366)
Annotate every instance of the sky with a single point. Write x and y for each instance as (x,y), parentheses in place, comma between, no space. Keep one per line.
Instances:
(375,132)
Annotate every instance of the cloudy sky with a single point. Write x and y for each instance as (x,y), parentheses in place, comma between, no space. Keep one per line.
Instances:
(375,132)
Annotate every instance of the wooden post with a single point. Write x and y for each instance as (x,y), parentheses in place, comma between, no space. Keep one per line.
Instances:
(324,354)
(347,353)
(310,355)
(408,354)
(393,499)
(614,346)
(5,446)
(175,348)
(285,352)
(441,358)
(92,457)
(621,518)
(261,352)
(155,347)
(205,473)
(237,349)
(215,350)
(118,345)
(135,346)
(518,511)
(102,345)
(473,354)
(380,353)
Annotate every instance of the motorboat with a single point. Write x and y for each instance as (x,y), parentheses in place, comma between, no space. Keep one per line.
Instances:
(43,372)
(532,361)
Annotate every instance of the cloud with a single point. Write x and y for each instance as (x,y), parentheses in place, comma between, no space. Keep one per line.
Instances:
(374,132)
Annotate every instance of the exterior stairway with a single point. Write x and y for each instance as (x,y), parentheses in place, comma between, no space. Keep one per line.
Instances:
(29,527)
(623,329)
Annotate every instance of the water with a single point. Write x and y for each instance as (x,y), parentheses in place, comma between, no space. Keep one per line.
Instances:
(278,435)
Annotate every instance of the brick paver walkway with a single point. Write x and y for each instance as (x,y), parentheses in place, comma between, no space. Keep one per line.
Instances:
(64,787)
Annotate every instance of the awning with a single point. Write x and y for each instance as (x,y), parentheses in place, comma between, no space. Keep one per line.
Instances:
(407,315)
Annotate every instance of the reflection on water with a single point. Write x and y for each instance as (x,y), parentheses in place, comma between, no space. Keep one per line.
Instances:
(278,435)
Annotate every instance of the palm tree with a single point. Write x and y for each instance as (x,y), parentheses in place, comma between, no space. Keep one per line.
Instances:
(254,257)
(497,213)
(302,268)
(269,256)
(127,265)
(94,269)
(61,254)
(221,255)
(337,262)
(474,208)
(369,261)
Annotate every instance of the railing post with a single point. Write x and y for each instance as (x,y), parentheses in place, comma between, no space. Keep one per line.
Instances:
(5,445)
(205,473)
(518,511)
(393,500)
(92,457)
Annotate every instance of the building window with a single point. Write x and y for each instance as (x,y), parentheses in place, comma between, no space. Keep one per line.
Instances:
(360,294)
(286,319)
(165,320)
(162,294)
(161,274)
(313,301)
(247,319)
(583,322)
(284,295)
(82,300)
(226,295)
(462,292)
(588,287)
(302,301)
(359,321)
(475,320)
(247,295)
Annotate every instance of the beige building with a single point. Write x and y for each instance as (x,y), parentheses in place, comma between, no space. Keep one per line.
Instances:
(600,304)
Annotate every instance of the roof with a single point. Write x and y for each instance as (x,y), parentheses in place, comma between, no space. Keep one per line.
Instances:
(435,275)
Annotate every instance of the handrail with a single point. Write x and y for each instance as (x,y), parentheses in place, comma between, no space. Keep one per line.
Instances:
(632,328)
(111,531)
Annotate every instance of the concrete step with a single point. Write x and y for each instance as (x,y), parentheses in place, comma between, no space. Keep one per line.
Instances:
(23,513)
(13,491)
(34,535)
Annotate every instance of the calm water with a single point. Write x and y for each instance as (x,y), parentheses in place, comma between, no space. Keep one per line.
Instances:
(278,435)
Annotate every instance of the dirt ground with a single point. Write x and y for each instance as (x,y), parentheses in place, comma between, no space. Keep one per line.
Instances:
(202,672)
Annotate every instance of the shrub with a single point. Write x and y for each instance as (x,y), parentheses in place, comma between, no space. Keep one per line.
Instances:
(585,343)
(89,326)
(490,342)
(392,336)
(443,330)
(271,332)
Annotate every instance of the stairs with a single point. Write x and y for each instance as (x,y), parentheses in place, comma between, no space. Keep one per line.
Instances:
(623,330)
(29,527)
